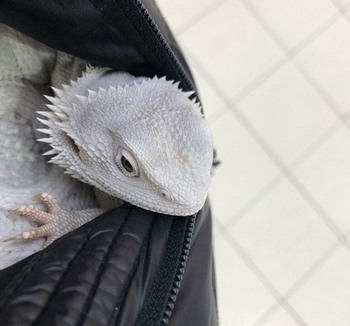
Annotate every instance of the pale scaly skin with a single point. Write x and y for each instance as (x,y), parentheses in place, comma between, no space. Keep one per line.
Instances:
(27,68)
(140,140)
(54,222)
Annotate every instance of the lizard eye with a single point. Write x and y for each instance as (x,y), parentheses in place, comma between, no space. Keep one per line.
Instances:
(127,163)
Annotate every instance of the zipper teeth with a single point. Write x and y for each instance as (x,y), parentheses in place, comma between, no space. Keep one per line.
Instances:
(186,80)
(191,221)
(180,270)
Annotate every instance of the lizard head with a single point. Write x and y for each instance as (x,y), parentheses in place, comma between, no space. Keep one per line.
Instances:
(144,141)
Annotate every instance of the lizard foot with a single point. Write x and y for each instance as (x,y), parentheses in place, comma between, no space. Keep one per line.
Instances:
(53,223)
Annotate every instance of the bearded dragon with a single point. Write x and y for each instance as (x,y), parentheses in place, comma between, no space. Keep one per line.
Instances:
(135,139)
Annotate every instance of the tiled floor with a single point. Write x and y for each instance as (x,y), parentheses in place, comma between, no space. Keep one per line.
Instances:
(274,78)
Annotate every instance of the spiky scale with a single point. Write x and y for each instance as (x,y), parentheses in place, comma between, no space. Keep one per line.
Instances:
(177,84)
(59,124)
(52,99)
(45,131)
(45,140)
(44,122)
(61,115)
(50,152)
(67,110)
(189,93)
(58,92)
(82,99)
(54,108)
(91,93)
(102,91)
(46,114)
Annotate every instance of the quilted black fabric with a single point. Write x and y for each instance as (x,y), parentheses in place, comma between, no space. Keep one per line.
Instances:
(105,272)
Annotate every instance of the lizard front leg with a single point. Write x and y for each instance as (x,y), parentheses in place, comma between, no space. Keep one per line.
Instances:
(53,223)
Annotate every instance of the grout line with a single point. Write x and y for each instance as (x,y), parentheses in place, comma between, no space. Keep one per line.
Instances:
(217,115)
(256,199)
(285,172)
(260,195)
(260,275)
(277,65)
(338,124)
(341,7)
(288,174)
(303,279)
(205,74)
(327,98)
(209,9)
(264,24)
(259,80)
(291,53)
(273,156)
(346,17)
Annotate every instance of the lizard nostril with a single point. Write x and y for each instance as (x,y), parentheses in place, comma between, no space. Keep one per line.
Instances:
(164,193)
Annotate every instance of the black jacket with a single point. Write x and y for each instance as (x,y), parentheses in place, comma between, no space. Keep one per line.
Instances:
(128,266)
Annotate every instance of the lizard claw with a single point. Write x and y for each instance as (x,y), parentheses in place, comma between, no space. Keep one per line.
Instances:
(32,234)
(31,212)
(48,221)
(54,222)
(48,200)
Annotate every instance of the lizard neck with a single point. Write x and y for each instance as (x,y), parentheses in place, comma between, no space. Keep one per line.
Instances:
(106,201)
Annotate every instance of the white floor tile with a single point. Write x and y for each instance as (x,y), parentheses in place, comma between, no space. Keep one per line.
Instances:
(326,175)
(279,318)
(245,169)
(288,113)
(325,299)
(327,59)
(281,233)
(341,2)
(292,20)
(210,100)
(180,12)
(242,298)
(283,236)
(231,46)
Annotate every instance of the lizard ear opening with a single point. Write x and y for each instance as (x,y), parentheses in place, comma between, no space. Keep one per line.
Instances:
(127,163)
(72,145)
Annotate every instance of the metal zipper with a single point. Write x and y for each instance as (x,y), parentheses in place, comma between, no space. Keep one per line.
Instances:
(180,270)
(190,224)
(172,57)
(192,219)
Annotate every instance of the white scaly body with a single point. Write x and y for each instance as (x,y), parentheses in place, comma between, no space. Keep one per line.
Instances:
(106,118)
(136,139)
(27,68)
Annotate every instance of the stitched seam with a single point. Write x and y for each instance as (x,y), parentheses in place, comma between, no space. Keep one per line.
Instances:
(132,274)
(62,277)
(18,280)
(100,271)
